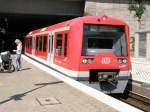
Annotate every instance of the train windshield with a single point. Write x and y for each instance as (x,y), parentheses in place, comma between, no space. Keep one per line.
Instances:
(104,38)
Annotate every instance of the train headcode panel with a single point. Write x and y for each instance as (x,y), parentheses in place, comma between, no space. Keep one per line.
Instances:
(90,48)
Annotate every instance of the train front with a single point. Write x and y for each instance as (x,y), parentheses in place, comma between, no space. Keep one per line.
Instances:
(105,56)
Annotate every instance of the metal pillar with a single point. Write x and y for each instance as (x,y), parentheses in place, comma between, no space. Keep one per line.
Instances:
(148,45)
(136,49)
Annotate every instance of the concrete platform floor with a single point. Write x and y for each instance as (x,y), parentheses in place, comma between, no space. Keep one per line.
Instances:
(21,92)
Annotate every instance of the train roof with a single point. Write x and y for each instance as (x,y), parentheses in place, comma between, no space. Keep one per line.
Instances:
(86,19)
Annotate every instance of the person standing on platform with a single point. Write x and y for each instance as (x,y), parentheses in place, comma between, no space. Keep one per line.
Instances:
(18,54)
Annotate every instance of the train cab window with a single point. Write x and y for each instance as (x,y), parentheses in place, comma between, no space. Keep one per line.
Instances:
(40,46)
(104,38)
(65,44)
(100,43)
(59,44)
(45,43)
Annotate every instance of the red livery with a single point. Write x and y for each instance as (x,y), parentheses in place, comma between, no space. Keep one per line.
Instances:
(90,48)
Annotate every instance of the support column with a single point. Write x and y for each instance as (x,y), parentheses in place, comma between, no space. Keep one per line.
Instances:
(136,49)
(148,45)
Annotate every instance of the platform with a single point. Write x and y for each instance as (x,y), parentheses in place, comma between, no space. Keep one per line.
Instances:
(34,90)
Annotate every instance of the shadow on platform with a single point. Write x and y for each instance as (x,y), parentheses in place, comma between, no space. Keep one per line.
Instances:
(25,69)
(6,71)
(17,97)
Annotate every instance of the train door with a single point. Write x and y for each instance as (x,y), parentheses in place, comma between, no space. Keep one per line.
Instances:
(50,48)
(61,41)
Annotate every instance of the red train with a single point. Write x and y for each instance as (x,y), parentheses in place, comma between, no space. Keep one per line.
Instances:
(90,48)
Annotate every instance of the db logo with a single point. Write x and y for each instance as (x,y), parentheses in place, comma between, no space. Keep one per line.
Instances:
(105,60)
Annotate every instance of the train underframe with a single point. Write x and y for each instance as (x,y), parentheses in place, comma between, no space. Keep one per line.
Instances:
(108,81)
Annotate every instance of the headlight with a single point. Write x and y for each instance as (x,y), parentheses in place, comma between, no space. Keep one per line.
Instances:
(87,60)
(122,61)
(90,61)
(84,61)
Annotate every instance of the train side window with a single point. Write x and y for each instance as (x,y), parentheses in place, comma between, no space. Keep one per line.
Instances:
(49,45)
(30,42)
(52,44)
(65,44)
(59,44)
(45,43)
(37,40)
(26,43)
(40,47)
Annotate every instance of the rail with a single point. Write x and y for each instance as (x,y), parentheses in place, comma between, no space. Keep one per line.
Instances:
(139,101)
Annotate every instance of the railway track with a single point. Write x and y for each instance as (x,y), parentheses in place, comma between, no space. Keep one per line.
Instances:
(136,100)
(139,101)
